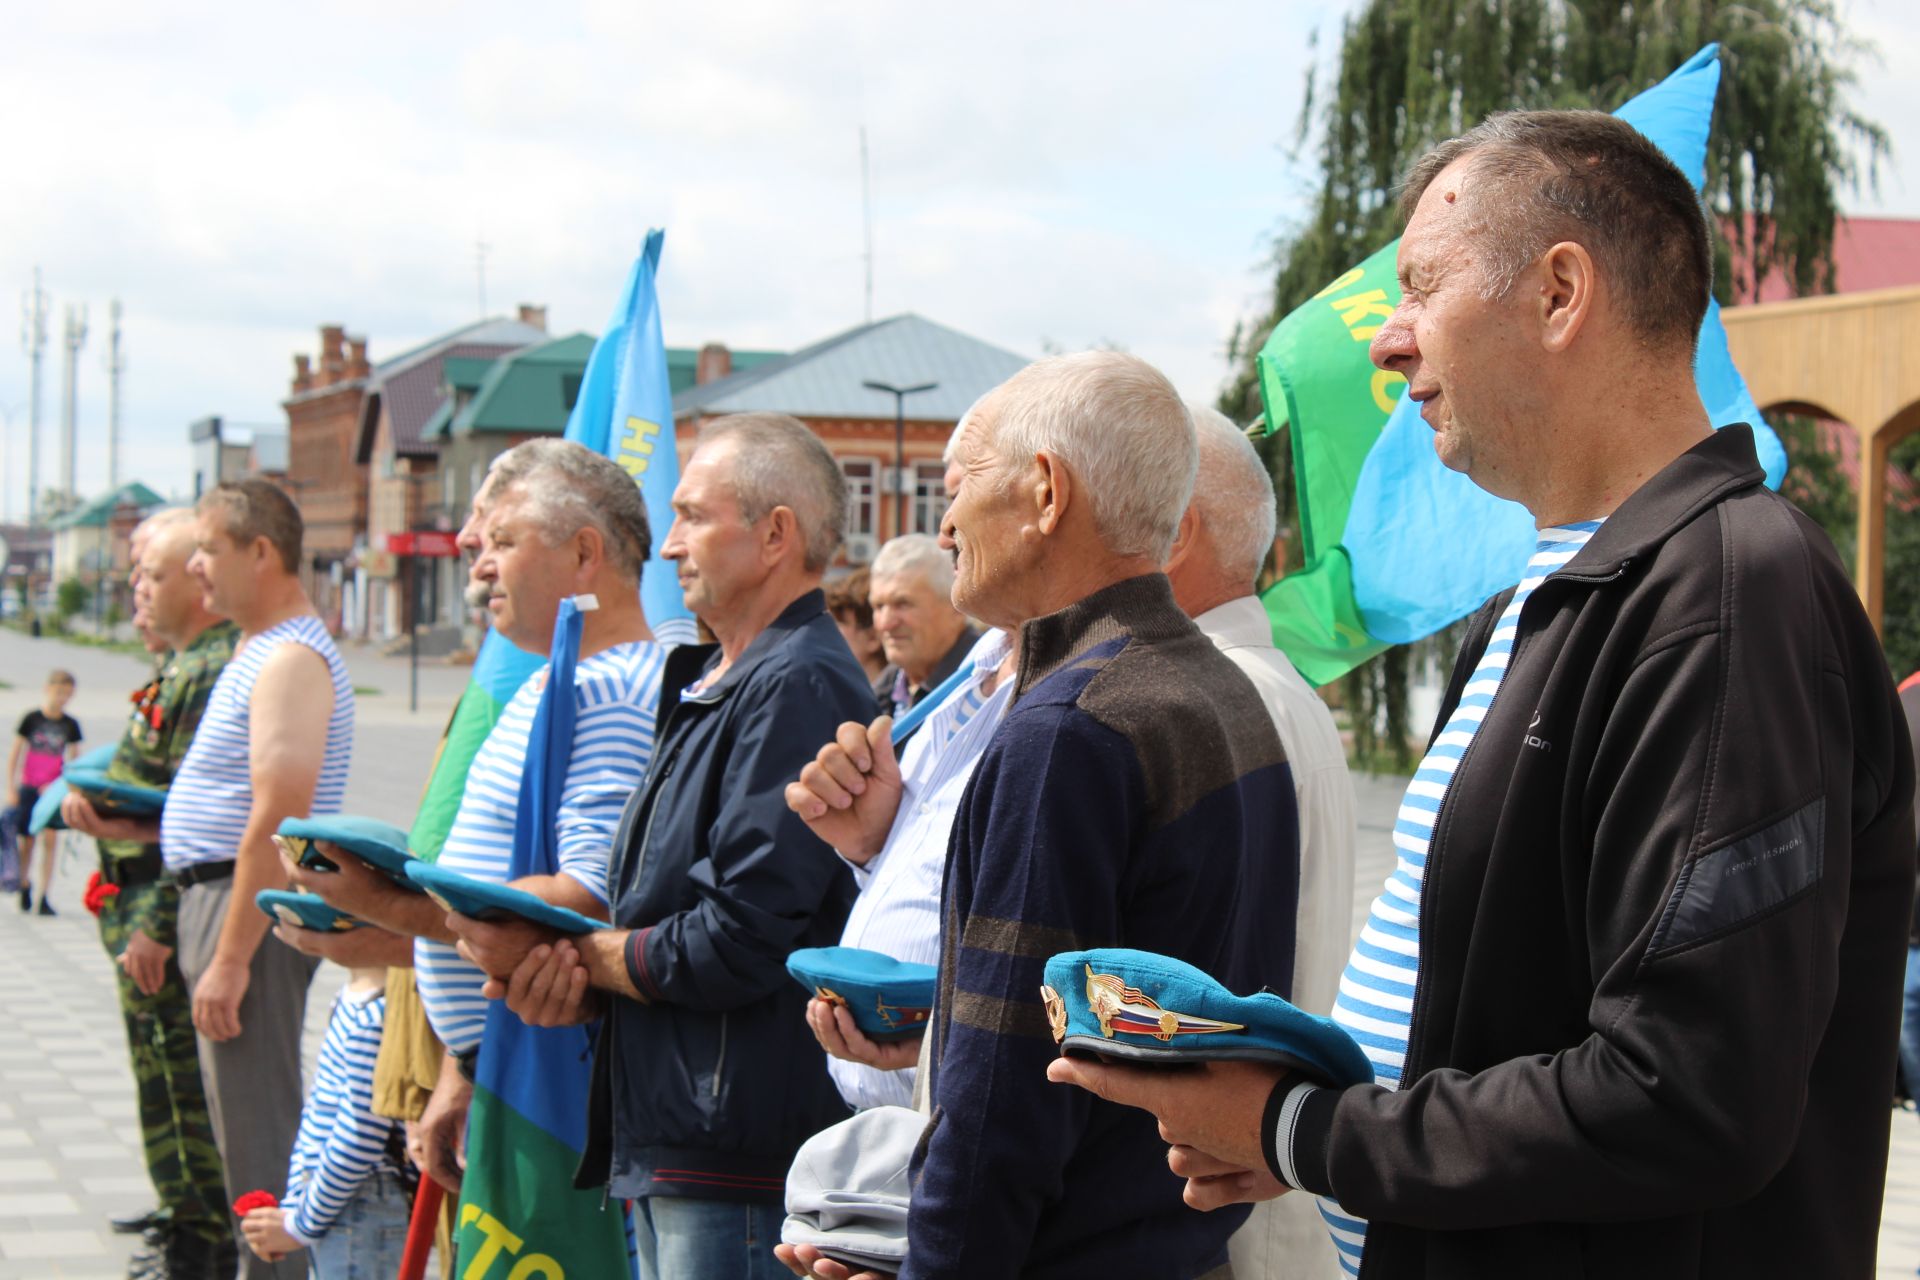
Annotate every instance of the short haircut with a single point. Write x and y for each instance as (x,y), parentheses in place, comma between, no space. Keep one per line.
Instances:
(1542,177)
(917,553)
(1123,432)
(777,462)
(1233,496)
(570,488)
(60,675)
(847,598)
(256,508)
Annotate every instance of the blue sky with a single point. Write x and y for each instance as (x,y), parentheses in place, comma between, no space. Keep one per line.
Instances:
(1060,174)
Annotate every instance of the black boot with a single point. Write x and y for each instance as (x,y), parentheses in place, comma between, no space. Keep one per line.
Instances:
(137,1223)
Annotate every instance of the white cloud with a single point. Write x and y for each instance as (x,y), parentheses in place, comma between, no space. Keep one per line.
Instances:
(241,174)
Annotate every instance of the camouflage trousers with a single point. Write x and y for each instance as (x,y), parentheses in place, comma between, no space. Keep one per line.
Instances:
(182,1159)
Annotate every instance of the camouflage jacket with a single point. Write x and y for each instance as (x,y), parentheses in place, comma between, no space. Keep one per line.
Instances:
(166,714)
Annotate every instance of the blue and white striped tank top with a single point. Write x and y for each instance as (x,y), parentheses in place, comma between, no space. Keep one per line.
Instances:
(211,796)
(1375,1003)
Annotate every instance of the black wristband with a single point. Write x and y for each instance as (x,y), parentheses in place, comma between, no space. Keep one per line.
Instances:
(1270,1124)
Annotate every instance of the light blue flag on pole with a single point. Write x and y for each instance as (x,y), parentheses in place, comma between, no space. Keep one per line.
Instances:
(625,411)
(1427,544)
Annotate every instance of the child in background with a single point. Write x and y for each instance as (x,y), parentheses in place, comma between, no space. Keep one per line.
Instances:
(348,1183)
(42,745)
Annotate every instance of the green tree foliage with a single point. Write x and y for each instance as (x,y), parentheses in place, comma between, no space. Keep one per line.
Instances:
(69,598)
(1816,483)
(1409,73)
(1900,627)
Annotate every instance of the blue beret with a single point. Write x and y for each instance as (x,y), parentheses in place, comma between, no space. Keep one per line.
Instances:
(485,900)
(889,999)
(1142,1007)
(302,911)
(46,810)
(380,844)
(112,796)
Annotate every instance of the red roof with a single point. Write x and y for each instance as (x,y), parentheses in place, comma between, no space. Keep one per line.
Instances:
(1868,253)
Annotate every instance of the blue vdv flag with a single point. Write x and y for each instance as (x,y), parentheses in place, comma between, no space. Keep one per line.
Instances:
(625,411)
(1427,545)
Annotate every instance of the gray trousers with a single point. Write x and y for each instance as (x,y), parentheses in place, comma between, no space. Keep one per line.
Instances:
(253,1080)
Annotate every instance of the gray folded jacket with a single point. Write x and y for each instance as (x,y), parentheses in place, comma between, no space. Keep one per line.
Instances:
(847,1190)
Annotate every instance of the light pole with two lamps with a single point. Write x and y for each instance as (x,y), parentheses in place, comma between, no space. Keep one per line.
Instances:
(899,395)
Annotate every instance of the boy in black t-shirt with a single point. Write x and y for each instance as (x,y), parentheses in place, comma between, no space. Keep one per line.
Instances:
(45,741)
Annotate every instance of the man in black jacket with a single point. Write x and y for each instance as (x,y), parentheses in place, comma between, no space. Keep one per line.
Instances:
(706,1079)
(1655,919)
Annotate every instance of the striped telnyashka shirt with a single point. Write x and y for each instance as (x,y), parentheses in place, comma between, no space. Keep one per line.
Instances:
(615,694)
(212,794)
(341,1141)
(1375,1003)
(898,910)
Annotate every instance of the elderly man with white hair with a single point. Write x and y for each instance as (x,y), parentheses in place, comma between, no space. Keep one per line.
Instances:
(1135,794)
(1224,539)
(925,638)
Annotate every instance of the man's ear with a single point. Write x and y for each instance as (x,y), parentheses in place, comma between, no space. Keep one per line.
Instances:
(781,536)
(589,550)
(1183,538)
(1051,486)
(1568,292)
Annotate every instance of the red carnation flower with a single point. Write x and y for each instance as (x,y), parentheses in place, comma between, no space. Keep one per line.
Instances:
(247,1203)
(98,894)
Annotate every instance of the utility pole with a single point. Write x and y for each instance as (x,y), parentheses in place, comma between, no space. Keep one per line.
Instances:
(866,217)
(116,365)
(75,337)
(33,340)
(899,395)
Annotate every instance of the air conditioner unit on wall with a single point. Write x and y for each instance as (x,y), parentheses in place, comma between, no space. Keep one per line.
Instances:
(861,548)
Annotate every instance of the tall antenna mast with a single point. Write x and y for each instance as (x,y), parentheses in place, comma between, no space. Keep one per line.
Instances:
(866,216)
(33,340)
(116,365)
(480,251)
(75,337)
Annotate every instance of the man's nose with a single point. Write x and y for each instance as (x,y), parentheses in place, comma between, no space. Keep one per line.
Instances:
(1393,347)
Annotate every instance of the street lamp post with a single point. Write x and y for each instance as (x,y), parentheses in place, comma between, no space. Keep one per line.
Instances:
(899,395)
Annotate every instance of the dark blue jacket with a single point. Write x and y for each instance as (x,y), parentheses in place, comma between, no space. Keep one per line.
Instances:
(709,1088)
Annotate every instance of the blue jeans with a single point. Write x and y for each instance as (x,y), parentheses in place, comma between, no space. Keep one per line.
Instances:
(365,1242)
(1910,1024)
(685,1239)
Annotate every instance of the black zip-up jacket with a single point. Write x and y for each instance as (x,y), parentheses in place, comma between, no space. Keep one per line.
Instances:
(708,1090)
(1663,924)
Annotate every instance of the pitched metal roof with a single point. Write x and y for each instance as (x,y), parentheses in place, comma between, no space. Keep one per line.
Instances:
(532,389)
(408,386)
(98,512)
(824,380)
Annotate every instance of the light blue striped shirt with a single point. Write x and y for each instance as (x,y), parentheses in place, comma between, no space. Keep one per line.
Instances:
(1375,1002)
(615,694)
(898,910)
(341,1141)
(212,794)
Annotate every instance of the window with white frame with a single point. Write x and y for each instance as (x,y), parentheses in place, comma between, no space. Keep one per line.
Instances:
(862,476)
(929,496)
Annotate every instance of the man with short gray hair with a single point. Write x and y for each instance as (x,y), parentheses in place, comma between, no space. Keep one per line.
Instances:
(706,1079)
(1134,795)
(1631,994)
(924,636)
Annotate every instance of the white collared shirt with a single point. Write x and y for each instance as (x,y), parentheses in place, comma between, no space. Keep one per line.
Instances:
(898,910)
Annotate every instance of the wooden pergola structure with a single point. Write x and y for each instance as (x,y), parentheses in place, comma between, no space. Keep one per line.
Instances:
(1853,358)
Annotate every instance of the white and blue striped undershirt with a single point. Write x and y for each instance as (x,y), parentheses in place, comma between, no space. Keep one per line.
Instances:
(1375,1002)
(341,1141)
(898,910)
(212,795)
(615,694)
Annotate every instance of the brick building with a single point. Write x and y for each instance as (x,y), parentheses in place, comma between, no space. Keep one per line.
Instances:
(323,420)
(824,386)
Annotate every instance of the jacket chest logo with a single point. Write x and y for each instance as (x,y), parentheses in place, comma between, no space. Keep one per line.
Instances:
(1532,738)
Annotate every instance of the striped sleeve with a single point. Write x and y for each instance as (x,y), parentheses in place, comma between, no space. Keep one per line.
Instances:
(612,743)
(351,1141)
